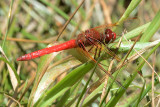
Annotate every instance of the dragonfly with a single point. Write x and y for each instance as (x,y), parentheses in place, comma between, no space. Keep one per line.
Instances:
(93,36)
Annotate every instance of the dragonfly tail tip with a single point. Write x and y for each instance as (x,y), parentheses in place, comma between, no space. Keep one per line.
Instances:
(19,59)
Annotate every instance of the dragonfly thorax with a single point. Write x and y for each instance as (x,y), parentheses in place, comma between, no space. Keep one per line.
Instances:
(89,37)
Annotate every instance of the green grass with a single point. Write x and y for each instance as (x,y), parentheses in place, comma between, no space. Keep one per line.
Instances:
(62,80)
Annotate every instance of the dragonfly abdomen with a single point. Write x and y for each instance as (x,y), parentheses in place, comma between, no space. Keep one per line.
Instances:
(66,45)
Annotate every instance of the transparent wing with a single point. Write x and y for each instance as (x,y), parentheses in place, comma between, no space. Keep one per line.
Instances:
(127,25)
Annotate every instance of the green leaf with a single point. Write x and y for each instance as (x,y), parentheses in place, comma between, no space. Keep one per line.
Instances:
(64,84)
(141,94)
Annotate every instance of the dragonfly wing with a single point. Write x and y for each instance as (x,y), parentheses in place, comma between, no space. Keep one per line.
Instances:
(127,25)
(102,28)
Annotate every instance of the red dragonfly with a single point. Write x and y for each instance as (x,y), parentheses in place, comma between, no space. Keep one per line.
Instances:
(100,34)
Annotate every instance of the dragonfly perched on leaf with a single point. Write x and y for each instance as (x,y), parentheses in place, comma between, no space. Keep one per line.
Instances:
(94,36)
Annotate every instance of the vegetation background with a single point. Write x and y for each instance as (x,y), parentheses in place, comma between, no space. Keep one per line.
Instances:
(59,79)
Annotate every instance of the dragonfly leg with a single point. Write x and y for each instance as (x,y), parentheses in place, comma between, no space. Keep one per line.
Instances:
(91,48)
(110,52)
(113,54)
(100,50)
(95,53)
(95,43)
(83,47)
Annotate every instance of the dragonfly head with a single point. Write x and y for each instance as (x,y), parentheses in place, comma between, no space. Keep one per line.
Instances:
(113,36)
(109,36)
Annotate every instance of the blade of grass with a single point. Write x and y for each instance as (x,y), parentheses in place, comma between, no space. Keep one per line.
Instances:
(16,10)
(147,89)
(8,22)
(67,82)
(42,67)
(73,94)
(96,93)
(51,76)
(126,84)
(126,14)
(14,70)
(69,20)
(32,37)
(109,88)
(64,98)
(84,89)
(144,84)
(74,91)
(133,4)
(151,31)
(82,11)
(134,32)
(58,11)
(125,46)
(153,27)
(15,80)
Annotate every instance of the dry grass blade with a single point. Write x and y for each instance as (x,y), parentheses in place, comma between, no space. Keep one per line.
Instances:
(158,102)
(13,78)
(43,66)
(26,89)
(31,80)
(75,30)
(13,99)
(139,54)
(96,84)
(156,98)
(60,61)
(43,71)
(52,74)
(8,22)
(85,23)
(69,20)
(106,12)
(26,40)
(146,60)
(153,104)
(106,82)
(59,80)
(130,50)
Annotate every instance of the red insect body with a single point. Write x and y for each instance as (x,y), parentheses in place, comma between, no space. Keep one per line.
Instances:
(87,38)
(109,35)
(67,45)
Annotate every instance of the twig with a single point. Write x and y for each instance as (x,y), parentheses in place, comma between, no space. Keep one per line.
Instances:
(12,99)
(130,50)
(106,81)
(153,105)
(26,40)
(106,12)
(69,20)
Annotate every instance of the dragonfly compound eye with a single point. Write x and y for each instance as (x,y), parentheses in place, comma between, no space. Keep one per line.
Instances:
(87,31)
(108,35)
(113,36)
(107,31)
